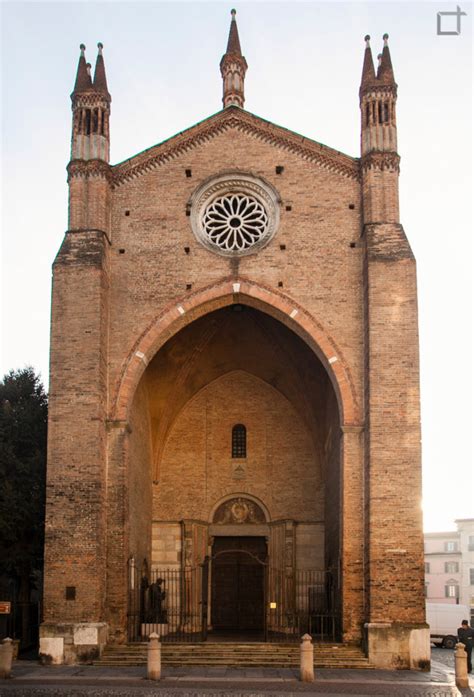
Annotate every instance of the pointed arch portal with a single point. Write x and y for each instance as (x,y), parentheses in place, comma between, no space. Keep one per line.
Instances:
(182,312)
(239,354)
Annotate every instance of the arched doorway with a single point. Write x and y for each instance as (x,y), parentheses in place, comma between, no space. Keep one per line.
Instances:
(235,402)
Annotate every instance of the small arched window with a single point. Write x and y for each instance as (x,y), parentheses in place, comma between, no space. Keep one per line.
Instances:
(87,124)
(239,441)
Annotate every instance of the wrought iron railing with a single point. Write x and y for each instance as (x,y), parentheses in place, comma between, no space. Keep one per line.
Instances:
(167,602)
(174,604)
(302,602)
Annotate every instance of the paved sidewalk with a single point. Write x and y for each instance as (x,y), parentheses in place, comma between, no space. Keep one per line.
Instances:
(31,679)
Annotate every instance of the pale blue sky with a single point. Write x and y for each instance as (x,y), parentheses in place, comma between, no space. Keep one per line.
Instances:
(305,61)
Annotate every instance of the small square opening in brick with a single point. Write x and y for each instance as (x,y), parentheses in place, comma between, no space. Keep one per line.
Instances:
(70,592)
(189,286)
(287,208)
(279,169)
(121,251)
(352,245)
(351,206)
(186,250)
(283,247)
(188,173)
(280,284)
(127,212)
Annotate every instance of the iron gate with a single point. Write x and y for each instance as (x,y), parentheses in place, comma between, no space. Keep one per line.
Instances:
(168,602)
(174,604)
(302,602)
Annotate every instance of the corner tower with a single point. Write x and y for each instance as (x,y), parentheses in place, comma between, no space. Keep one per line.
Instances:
(75,569)
(393,524)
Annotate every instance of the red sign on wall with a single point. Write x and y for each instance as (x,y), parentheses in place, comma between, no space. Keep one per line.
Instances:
(5,607)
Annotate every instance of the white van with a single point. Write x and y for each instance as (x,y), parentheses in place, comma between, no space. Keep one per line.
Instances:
(444,620)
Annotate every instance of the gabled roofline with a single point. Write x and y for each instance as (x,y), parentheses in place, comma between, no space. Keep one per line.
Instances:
(235,117)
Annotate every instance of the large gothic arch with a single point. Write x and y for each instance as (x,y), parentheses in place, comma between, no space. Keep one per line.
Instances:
(182,312)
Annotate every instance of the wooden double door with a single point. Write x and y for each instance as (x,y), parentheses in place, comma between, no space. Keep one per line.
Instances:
(238,583)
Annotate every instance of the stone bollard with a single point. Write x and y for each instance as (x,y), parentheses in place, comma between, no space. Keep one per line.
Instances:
(154,657)
(460,666)
(306,659)
(6,657)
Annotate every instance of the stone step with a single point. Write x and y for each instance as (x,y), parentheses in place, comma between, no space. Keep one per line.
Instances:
(346,665)
(213,647)
(233,654)
(166,656)
(276,652)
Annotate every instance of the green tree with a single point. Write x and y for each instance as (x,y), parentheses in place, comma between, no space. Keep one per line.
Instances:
(23,430)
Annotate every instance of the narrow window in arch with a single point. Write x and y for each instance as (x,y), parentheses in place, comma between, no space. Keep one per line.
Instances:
(87,129)
(239,441)
(95,121)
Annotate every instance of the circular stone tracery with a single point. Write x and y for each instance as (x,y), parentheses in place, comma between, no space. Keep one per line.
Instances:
(234,214)
(235,222)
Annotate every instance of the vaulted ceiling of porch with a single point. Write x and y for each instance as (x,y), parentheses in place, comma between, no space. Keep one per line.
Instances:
(235,338)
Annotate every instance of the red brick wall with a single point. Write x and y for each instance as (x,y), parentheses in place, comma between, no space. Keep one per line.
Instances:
(281,467)
(76,486)
(395,544)
(96,327)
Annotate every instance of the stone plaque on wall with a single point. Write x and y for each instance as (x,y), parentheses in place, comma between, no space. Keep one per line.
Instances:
(238,470)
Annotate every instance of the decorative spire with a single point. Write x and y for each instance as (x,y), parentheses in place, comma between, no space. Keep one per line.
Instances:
(90,111)
(233,68)
(384,76)
(368,70)
(378,97)
(83,79)
(100,80)
(385,71)
(233,44)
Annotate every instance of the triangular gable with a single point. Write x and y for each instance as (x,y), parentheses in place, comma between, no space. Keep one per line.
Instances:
(245,122)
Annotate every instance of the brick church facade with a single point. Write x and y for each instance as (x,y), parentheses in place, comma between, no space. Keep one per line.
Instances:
(235,385)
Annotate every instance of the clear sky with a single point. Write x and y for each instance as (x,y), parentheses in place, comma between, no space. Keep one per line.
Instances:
(305,61)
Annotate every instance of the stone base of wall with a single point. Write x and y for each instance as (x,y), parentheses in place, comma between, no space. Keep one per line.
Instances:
(70,643)
(398,646)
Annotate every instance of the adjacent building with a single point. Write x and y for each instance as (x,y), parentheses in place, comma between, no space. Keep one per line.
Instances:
(449,565)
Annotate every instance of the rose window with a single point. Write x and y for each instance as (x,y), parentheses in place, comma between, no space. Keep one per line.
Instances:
(235,222)
(234,214)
